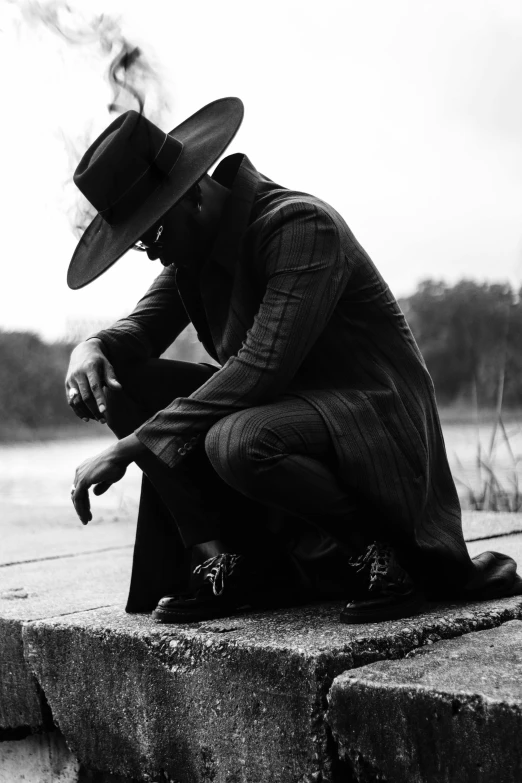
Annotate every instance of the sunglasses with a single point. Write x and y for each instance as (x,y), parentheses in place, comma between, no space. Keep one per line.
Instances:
(150,239)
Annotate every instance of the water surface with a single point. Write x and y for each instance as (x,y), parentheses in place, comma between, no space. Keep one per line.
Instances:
(44,471)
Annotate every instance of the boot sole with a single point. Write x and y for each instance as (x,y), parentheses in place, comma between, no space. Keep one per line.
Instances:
(169,616)
(256,603)
(380,615)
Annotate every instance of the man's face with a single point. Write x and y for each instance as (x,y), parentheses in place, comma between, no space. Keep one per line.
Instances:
(182,238)
(189,229)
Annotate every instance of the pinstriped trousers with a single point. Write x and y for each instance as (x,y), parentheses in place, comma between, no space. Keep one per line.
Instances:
(278,455)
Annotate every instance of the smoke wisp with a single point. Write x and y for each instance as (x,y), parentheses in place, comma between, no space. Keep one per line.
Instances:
(135,83)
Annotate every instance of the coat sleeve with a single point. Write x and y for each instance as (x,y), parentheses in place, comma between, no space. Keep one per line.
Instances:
(305,274)
(153,325)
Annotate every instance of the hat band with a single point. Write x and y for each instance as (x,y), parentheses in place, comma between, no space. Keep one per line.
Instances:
(145,185)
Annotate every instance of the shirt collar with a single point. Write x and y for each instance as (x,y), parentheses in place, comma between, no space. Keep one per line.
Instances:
(238,174)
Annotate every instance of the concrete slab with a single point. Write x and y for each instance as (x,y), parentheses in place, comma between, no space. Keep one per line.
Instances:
(453,712)
(31,591)
(509,545)
(45,589)
(21,701)
(36,533)
(489,524)
(240,699)
(223,691)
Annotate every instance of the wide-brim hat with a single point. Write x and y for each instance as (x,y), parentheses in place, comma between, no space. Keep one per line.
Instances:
(134,172)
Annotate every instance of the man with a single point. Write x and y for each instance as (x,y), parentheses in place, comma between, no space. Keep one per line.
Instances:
(313,446)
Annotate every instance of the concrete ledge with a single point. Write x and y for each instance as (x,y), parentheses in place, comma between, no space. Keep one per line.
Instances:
(30,592)
(21,705)
(233,701)
(482,525)
(51,532)
(453,712)
(236,701)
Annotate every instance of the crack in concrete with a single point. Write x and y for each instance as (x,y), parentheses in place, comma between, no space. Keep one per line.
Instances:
(64,556)
(66,614)
(495,535)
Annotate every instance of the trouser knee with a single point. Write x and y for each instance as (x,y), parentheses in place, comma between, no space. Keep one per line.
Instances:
(149,386)
(240,451)
(123,415)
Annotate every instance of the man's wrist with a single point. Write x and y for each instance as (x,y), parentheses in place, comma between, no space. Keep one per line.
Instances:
(129,448)
(90,344)
(96,340)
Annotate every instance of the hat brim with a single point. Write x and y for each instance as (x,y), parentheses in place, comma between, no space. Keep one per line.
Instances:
(205,136)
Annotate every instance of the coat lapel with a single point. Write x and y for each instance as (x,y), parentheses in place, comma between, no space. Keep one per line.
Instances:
(186,282)
(227,318)
(217,299)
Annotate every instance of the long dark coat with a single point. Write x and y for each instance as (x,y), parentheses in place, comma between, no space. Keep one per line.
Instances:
(288,300)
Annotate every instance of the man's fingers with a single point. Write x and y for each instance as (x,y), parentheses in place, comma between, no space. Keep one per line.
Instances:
(102,487)
(110,377)
(84,384)
(96,385)
(78,408)
(86,389)
(80,499)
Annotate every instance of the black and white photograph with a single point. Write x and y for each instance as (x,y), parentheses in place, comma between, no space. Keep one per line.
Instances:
(261,391)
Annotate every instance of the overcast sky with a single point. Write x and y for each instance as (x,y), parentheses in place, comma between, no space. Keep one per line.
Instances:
(406,115)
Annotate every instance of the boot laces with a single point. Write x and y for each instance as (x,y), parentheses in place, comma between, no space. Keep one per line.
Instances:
(218,569)
(377,559)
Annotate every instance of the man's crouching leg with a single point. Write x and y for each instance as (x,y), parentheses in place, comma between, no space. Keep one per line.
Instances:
(181,510)
(220,530)
(147,388)
(282,454)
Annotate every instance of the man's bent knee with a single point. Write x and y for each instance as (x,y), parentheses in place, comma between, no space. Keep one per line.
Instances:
(123,415)
(235,446)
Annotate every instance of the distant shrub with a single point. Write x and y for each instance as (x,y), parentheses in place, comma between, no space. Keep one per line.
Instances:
(32,373)
(470,336)
(469,333)
(32,383)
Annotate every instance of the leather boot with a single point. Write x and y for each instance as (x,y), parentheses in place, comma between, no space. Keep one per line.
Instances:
(387,592)
(230,583)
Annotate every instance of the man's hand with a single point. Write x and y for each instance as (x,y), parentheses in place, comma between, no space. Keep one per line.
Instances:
(89,372)
(102,471)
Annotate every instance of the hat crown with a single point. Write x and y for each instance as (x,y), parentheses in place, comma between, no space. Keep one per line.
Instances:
(134,173)
(124,166)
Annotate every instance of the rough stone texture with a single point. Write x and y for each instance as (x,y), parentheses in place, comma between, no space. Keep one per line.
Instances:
(36,590)
(240,700)
(453,712)
(97,776)
(232,701)
(20,698)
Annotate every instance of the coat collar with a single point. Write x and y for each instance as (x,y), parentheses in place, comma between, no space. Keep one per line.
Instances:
(238,174)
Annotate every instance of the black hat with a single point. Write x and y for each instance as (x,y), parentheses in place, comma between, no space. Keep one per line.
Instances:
(134,172)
